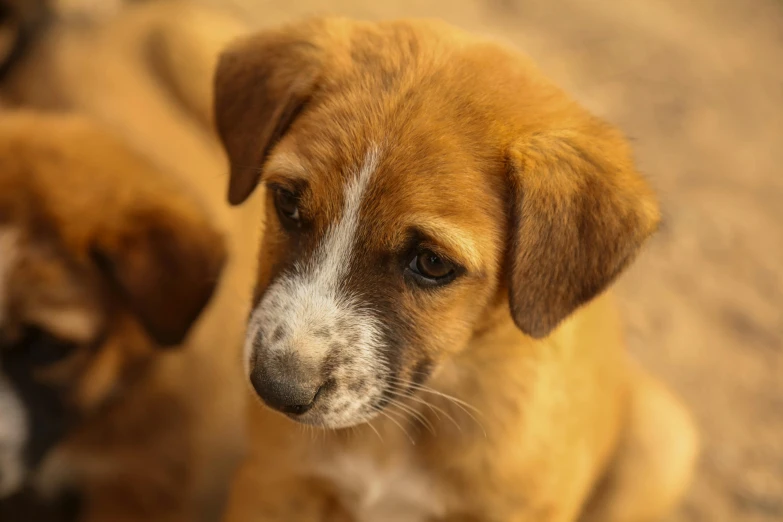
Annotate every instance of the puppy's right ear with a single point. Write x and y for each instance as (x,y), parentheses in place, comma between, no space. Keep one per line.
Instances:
(262,83)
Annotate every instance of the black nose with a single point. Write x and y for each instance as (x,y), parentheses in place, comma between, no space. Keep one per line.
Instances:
(289,396)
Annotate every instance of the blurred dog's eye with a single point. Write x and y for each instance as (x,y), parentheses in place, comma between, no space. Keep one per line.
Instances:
(287,205)
(43,349)
(431,269)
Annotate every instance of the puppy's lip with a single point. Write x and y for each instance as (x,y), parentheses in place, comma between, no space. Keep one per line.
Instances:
(317,421)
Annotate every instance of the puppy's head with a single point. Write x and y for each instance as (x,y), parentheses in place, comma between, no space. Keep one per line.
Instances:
(102,263)
(418,182)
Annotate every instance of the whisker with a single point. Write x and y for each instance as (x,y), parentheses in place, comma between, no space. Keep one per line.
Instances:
(404,395)
(403,421)
(417,415)
(427,389)
(435,409)
(388,416)
(464,406)
(373,428)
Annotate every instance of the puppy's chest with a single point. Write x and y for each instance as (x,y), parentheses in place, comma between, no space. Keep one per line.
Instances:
(374,491)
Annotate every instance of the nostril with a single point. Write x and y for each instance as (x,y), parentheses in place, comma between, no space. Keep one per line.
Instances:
(297,409)
(301,409)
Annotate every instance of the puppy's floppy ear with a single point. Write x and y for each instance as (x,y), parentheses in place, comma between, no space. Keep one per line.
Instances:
(165,265)
(261,85)
(580,214)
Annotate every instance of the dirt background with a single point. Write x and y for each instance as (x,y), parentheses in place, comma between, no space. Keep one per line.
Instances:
(698,86)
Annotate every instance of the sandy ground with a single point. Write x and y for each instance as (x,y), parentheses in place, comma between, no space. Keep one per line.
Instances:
(698,86)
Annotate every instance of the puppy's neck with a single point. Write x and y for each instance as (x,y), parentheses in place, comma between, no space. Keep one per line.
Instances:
(494,364)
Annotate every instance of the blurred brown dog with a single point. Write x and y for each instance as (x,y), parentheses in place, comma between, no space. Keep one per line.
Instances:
(104,263)
(147,77)
(442,224)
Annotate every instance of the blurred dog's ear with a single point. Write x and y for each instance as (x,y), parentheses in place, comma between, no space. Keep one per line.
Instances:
(165,265)
(20,21)
(580,214)
(262,83)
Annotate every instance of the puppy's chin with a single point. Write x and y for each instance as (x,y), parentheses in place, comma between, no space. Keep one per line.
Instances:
(335,421)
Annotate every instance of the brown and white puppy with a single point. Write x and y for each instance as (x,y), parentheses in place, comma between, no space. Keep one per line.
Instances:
(105,262)
(442,224)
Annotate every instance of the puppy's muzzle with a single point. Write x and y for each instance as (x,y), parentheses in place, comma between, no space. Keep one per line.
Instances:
(284,385)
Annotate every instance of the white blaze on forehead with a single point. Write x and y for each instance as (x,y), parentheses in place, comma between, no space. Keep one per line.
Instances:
(13,437)
(334,255)
(8,257)
(309,312)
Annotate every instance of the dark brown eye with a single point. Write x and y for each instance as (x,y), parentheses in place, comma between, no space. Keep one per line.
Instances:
(287,204)
(431,268)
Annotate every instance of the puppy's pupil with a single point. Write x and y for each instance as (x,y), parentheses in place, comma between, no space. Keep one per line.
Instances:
(287,204)
(432,265)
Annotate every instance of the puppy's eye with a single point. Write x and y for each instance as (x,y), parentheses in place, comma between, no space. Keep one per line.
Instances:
(287,205)
(43,349)
(431,269)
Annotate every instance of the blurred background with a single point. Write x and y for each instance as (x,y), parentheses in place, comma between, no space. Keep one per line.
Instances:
(698,87)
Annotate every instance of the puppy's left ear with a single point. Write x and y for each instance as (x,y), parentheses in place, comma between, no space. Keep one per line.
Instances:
(165,265)
(580,214)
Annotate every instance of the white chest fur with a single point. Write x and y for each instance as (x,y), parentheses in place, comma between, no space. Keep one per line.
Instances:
(382,492)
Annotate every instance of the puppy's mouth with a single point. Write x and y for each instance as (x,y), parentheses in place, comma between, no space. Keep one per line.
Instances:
(333,403)
(329,395)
